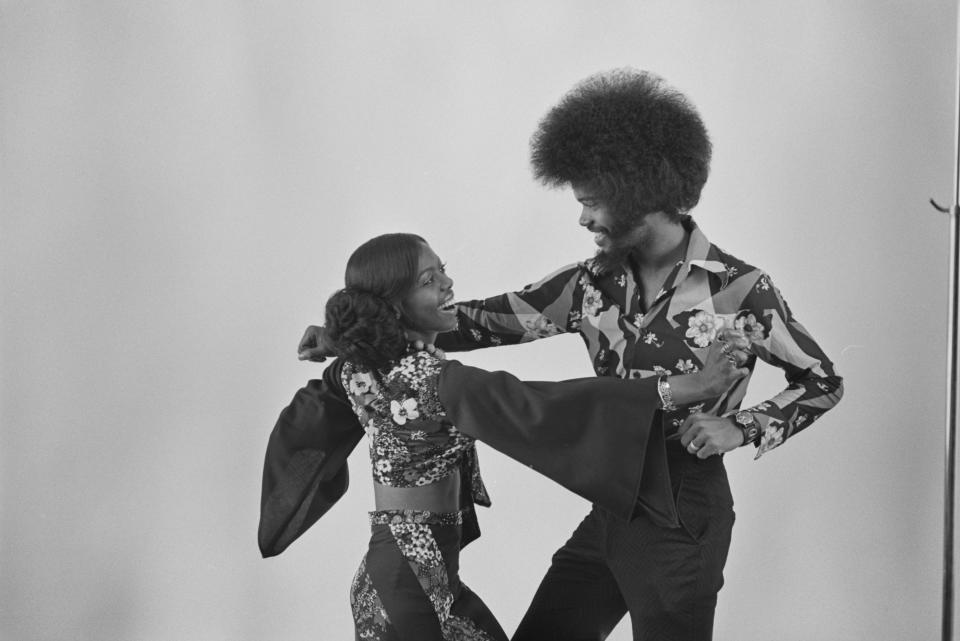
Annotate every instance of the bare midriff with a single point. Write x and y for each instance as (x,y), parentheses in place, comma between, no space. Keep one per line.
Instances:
(442,496)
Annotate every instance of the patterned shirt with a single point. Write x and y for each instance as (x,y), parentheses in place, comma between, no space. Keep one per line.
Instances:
(707,291)
(411,442)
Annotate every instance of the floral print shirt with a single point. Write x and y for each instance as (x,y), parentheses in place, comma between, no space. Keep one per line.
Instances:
(707,291)
(411,441)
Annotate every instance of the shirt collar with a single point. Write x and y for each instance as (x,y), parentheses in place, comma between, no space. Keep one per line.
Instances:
(700,254)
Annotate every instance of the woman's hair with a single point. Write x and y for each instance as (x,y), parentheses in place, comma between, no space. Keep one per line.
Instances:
(363,320)
(635,141)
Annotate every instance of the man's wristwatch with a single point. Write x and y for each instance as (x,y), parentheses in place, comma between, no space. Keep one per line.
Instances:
(748,426)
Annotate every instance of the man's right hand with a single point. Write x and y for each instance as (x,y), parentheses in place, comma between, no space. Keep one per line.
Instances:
(313,345)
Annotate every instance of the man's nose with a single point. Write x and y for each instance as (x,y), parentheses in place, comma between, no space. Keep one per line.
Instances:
(586,218)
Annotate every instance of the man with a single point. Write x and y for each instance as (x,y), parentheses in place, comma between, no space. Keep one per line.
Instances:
(649,303)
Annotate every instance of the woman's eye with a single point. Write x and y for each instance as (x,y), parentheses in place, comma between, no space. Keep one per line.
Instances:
(443,268)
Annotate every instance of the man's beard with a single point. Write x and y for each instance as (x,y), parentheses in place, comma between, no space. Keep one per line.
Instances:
(610,259)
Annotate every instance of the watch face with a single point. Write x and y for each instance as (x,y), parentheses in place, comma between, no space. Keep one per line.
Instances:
(748,425)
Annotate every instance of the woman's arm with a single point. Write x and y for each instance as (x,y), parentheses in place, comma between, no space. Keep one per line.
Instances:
(598,437)
(305,467)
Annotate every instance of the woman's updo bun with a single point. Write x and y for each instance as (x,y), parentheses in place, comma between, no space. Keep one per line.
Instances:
(362,323)
(363,328)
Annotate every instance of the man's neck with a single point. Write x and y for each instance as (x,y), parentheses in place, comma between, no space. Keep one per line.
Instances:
(663,246)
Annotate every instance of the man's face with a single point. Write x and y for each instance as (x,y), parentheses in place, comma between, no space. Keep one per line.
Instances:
(610,234)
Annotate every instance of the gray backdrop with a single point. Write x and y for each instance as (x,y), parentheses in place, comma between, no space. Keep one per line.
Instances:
(183,182)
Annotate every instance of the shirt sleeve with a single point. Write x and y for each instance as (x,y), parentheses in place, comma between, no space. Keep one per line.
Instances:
(305,468)
(598,437)
(777,338)
(545,308)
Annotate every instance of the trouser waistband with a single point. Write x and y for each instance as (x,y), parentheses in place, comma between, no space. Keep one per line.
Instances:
(425,517)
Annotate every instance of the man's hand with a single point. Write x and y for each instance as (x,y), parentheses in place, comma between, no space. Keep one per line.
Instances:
(706,435)
(313,346)
(429,347)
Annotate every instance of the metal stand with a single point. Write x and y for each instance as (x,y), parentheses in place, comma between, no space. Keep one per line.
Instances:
(951,431)
(952,382)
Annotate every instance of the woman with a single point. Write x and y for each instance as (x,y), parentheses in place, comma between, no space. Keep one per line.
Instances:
(421,414)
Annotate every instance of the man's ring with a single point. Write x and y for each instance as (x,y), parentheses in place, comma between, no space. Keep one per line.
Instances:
(693,446)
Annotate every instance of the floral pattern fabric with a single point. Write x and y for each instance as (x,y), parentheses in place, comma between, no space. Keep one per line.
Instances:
(412,533)
(708,291)
(411,442)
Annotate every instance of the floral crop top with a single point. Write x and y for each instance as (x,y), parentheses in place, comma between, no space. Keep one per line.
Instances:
(411,441)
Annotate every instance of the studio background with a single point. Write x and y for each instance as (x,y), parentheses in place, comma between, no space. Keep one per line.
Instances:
(182,184)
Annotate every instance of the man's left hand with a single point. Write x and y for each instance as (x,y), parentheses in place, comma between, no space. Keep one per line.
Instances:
(705,435)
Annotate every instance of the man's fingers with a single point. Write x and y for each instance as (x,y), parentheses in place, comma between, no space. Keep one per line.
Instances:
(689,430)
(685,426)
(309,339)
(313,346)
(700,444)
(315,354)
(707,451)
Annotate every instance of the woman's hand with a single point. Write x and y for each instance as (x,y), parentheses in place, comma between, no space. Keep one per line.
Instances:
(724,364)
(722,367)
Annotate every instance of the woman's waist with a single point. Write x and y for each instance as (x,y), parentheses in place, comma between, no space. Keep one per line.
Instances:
(440,496)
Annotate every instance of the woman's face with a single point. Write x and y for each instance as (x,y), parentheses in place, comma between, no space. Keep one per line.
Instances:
(428,308)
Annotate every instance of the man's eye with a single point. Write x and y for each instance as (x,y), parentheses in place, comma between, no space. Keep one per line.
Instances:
(443,268)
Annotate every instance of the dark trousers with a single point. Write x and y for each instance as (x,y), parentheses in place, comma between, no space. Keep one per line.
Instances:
(666,578)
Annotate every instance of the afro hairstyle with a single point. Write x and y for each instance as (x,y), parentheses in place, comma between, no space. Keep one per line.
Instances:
(635,141)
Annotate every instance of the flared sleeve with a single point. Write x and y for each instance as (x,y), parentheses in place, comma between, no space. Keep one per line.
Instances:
(600,438)
(305,469)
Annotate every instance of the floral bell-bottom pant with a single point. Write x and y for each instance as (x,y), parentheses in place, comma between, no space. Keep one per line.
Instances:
(408,586)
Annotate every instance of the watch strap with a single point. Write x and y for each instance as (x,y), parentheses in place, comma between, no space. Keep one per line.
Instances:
(748,425)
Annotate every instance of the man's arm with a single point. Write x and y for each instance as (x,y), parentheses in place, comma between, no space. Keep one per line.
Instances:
(813,384)
(546,308)
(777,338)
